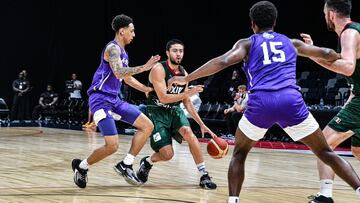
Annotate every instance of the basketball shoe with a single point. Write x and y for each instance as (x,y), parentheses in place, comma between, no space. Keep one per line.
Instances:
(80,175)
(143,172)
(206,182)
(127,172)
(320,199)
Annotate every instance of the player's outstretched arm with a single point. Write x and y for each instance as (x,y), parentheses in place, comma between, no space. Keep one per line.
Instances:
(312,51)
(233,56)
(112,55)
(133,82)
(345,65)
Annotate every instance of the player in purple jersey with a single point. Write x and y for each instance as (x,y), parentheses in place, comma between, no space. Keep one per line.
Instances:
(107,106)
(270,65)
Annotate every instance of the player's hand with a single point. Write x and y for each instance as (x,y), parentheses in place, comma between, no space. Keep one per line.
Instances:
(226,111)
(204,129)
(195,89)
(149,89)
(307,38)
(180,80)
(151,62)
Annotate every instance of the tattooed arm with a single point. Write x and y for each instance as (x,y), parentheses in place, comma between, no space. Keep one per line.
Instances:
(112,55)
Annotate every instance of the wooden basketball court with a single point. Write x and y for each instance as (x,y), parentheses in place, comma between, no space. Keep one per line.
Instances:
(36,167)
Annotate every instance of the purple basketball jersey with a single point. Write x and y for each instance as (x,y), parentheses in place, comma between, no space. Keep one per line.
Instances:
(272,62)
(104,79)
(271,71)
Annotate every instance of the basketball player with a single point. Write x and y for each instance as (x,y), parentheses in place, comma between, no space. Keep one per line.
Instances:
(169,120)
(107,106)
(270,66)
(347,122)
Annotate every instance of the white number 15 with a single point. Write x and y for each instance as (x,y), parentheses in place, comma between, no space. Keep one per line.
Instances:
(279,58)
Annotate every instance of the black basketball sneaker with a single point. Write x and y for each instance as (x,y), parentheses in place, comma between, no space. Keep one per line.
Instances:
(206,182)
(80,175)
(143,172)
(127,172)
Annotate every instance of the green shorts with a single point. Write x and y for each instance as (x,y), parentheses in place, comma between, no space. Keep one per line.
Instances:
(167,123)
(347,119)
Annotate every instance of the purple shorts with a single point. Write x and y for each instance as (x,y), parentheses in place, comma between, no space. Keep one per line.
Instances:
(284,107)
(102,104)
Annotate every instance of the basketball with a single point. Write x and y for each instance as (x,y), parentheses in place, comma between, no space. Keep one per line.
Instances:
(217,148)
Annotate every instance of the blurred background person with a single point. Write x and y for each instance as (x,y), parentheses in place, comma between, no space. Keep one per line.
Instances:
(73,87)
(21,103)
(47,101)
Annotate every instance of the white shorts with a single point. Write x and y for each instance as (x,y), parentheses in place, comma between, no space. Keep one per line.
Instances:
(296,132)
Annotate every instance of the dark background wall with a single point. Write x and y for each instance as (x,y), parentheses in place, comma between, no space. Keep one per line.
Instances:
(53,38)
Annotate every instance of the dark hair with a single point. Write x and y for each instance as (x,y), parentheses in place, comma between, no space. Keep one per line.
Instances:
(263,14)
(120,21)
(173,41)
(342,7)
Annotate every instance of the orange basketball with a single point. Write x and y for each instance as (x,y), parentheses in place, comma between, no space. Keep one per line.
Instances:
(217,148)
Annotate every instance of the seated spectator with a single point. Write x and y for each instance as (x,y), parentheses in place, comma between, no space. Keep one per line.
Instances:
(196,101)
(47,101)
(234,113)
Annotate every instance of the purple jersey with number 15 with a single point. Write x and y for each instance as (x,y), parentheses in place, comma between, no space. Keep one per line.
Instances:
(271,71)
(272,62)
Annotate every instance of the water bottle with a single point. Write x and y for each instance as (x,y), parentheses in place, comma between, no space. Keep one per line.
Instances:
(321,103)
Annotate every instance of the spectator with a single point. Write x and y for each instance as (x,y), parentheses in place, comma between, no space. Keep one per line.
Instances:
(47,101)
(73,87)
(234,113)
(21,106)
(228,87)
(195,99)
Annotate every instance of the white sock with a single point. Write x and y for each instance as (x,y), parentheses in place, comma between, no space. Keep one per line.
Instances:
(358,192)
(233,199)
(326,187)
(202,168)
(84,164)
(129,159)
(149,160)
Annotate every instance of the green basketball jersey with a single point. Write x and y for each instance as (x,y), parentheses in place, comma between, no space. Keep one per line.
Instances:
(175,89)
(354,79)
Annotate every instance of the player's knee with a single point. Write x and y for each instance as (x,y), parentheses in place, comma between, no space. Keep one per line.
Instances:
(112,147)
(147,127)
(326,155)
(356,152)
(187,133)
(167,155)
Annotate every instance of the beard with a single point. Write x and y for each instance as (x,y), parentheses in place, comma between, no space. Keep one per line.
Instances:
(174,62)
(330,26)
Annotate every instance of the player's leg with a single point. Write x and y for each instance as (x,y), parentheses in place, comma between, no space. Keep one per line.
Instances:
(165,153)
(336,132)
(161,143)
(181,128)
(130,114)
(237,164)
(245,138)
(355,145)
(326,174)
(108,129)
(317,143)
